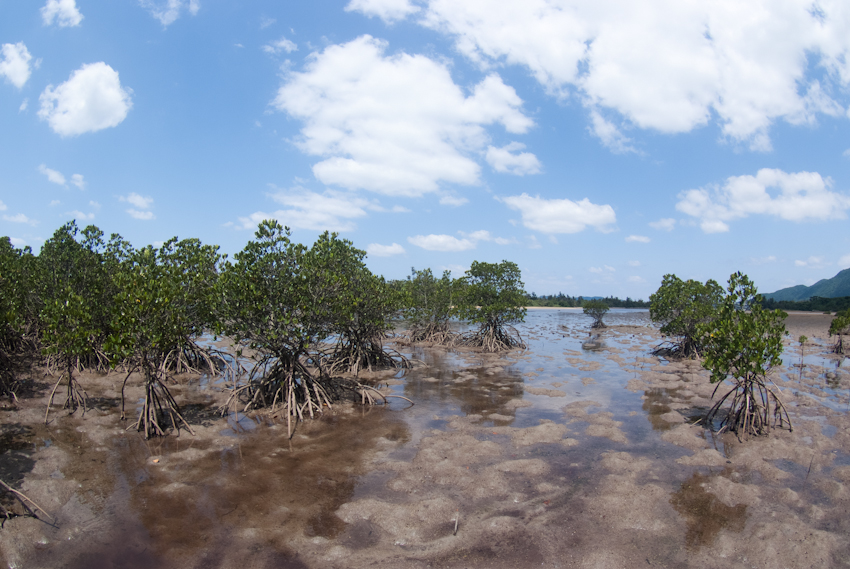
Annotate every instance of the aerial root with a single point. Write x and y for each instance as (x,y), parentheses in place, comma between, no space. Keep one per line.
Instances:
(75,398)
(492,339)
(750,409)
(158,405)
(26,502)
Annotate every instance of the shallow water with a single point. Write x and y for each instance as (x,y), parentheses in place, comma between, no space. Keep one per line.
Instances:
(559,455)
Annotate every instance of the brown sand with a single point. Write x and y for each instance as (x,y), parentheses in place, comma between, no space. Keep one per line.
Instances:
(611,474)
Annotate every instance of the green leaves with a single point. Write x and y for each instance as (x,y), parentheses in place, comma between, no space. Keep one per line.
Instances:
(492,294)
(744,340)
(681,307)
(595,309)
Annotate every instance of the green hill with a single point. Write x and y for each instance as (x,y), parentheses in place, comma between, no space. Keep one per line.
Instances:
(839,285)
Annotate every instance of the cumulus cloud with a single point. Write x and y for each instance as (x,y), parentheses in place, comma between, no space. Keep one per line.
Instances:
(507,160)
(666,66)
(637,239)
(664,224)
(602,270)
(141,206)
(62,12)
(168,12)
(609,134)
(304,209)
(812,263)
(396,124)
(3,206)
(141,215)
(450,243)
(15,65)
(388,10)
(19,218)
(446,243)
(52,175)
(844,262)
(279,46)
(636,279)
(801,196)
(91,99)
(80,216)
(561,215)
(79,181)
(377,250)
(634,263)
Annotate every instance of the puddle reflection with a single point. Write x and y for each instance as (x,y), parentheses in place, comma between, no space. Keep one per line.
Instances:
(705,515)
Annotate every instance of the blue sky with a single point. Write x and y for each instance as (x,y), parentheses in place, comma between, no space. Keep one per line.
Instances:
(599,145)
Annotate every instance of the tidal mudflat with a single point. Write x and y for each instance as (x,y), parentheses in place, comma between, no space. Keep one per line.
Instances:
(579,452)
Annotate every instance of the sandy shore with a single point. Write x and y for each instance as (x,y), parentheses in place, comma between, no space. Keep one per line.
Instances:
(559,456)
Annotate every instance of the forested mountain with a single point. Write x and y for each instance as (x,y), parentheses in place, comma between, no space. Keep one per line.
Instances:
(839,285)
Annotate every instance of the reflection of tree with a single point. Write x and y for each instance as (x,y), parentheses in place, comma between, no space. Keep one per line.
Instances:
(704,513)
(259,482)
(657,403)
(473,390)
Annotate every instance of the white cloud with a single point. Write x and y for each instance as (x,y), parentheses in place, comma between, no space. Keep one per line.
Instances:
(15,65)
(397,124)
(265,22)
(844,262)
(17,242)
(449,243)
(665,224)
(140,202)
(19,218)
(91,99)
(637,239)
(636,279)
(79,181)
(505,160)
(561,216)
(453,200)
(143,215)
(141,206)
(80,216)
(168,12)
(377,250)
(609,134)
(667,66)
(94,204)
(52,175)
(441,243)
(846,153)
(634,263)
(54,203)
(3,206)
(387,10)
(24,104)
(800,196)
(330,211)
(63,12)
(480,235)
(812,263)
(602,269)
(280,45)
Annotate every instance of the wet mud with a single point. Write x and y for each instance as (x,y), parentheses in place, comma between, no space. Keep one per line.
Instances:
(582,451)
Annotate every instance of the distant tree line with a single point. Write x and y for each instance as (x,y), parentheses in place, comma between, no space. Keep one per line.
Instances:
(814,304)
(566,301)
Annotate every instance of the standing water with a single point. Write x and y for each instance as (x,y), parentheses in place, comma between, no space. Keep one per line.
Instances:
(582,451)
